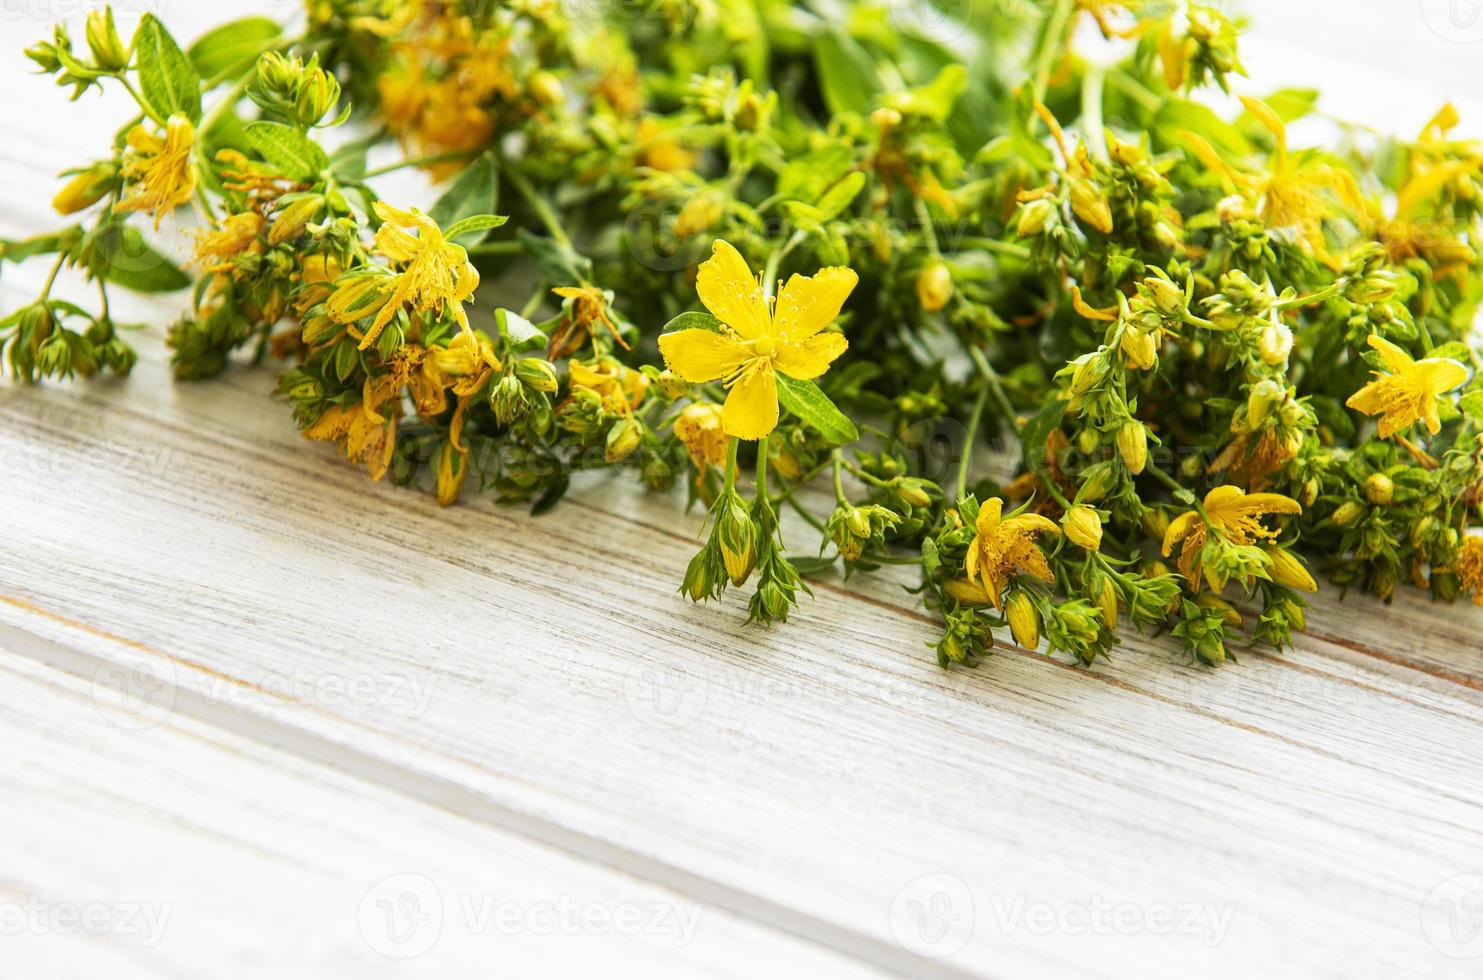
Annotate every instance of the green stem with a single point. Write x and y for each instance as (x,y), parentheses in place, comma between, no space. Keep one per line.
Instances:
(762,467)
(420,162)
(1158,473)
(836,458)
(770,273)
(928,231)
(731,450)
(1055,30)
(803,512)
(139,99)
(1091,110)
(966,461)
(51,277)
(540,205)
(507,247)
(996,386)
(537,296)
(994,245)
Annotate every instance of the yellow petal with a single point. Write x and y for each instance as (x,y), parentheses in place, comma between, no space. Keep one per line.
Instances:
(812,357)
(1032,524)
(1179,529)
(1440,374)
(751,409)
(733,296)
(1370,399)
(1394,358)
(808,304)
(699,356)
(988,517)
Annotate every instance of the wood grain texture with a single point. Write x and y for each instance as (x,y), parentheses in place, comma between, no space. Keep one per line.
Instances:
(474,685)
(186,850)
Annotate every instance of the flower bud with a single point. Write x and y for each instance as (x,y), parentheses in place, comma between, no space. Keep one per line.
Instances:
(1349,512)
(1228,612)
(546,89)
(934,286)
(1140,348)
(1035,216)
(537,374)
(1090,205)
(507,398)
(452,467)
(912,491)
(1288,570)
(1167,297)
(1083,527)
(737,535)
(697,214)
(1107,602)
(1090,370)
(108,49)
(1132,445)
(698,584)
(1265,396)
(624,437)
(967,592)
(1379,489)
(1024,620)
(1275,343)
(85,189)
(292,219)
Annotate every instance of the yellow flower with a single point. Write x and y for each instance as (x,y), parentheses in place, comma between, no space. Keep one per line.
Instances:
(435,274)
(1233,513)
(1004,546)
(215,248)
(159,170)
(699,428)
(1409,392)
(586,310)
(756,339)
(1297,192)
(1470,566)
(618,387)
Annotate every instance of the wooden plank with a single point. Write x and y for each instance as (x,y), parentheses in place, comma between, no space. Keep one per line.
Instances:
(1143,783)
(178,849)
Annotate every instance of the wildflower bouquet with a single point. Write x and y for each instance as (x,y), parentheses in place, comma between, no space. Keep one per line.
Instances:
(855,249)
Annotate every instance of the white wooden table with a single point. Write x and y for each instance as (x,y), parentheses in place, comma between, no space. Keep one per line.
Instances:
(261,718)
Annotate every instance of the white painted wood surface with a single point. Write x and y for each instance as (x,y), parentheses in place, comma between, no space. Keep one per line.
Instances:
(240,683)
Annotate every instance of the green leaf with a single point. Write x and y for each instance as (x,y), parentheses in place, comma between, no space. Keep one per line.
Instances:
(517,330)
(805,400)
(472,224)
(693,320)
(1454,350)
(121,256)
(1037,433)
(1472,405)
(293,153)
(841,195)
(230,50)
(557,262)
(847,73)
(474,191)
(806,177)
(166,76)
